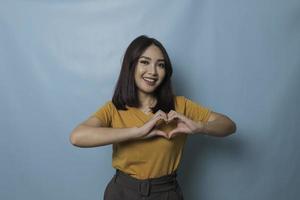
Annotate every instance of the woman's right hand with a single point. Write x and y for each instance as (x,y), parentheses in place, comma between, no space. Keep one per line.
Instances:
(150,129)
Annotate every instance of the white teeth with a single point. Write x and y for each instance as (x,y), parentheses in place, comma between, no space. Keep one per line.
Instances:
(150,80)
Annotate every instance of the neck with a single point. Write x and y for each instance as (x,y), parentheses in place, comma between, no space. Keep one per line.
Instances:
(147,100)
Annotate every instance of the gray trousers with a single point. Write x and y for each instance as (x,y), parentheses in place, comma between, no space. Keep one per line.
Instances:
(124,187)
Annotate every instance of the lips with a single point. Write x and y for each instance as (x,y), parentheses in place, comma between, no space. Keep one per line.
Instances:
(149,81)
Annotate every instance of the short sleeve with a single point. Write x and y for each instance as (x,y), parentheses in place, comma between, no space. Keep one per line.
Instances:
(104,114)
(196,111)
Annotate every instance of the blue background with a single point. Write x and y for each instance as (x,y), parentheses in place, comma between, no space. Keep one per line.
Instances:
(59,62)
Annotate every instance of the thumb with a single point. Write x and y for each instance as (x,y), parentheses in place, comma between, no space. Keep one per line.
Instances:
(162,133)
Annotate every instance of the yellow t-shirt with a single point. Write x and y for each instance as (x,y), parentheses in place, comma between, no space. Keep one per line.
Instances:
(154,157)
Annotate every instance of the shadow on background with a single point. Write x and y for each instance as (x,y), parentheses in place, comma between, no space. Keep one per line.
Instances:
(198,152)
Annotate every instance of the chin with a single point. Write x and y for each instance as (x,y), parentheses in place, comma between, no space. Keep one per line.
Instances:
(147,91)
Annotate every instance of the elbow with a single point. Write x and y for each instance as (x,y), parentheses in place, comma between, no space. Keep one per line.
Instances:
(224,126)
(73,138)
(231,128)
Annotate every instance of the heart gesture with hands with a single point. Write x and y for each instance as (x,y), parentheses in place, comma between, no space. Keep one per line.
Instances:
(184,125)
(149,129)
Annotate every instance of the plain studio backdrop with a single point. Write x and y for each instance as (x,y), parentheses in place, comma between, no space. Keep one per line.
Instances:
(60,60)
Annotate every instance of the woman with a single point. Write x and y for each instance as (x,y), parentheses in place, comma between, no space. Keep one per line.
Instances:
(147,125)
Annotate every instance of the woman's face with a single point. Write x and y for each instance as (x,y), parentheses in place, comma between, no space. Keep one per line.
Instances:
(150,70)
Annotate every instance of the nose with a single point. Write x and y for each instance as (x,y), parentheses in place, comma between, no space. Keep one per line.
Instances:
(152,69)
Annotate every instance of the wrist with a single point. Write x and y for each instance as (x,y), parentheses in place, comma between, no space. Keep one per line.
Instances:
(202,127)
(134,132)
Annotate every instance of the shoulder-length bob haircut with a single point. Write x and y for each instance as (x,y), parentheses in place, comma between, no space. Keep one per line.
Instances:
(126,92)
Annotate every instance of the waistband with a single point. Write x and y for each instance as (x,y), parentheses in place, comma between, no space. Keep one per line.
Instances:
(147,186)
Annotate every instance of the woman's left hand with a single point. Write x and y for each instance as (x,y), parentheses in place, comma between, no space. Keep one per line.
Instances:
(184,124)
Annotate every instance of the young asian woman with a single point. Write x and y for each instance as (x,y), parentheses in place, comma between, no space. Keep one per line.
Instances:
(147,124)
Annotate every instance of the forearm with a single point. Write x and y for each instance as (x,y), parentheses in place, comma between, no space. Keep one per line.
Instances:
(220,127)
(88,136)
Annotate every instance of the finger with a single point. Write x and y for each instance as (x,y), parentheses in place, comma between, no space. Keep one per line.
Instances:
(174,116)
(190,124)
(159,114)
(150,134)
(157,117)
(156,132)
(179,117)
(173,112)
(150,125)
(161,133)
(153,122)
(171,136)
(162,114)
(171,115)
(172,133)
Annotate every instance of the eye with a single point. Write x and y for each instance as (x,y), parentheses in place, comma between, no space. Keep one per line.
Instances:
(162,65)
(145,62)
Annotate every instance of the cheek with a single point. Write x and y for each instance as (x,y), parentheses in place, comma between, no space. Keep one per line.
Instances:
(162,73)
(139,71)
(138,74)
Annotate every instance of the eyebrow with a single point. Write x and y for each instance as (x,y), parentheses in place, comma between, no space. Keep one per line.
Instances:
(150,58)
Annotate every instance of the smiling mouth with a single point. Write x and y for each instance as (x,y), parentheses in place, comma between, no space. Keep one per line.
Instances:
(149,81)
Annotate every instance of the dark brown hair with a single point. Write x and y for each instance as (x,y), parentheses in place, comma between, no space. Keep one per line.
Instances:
(126,91)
